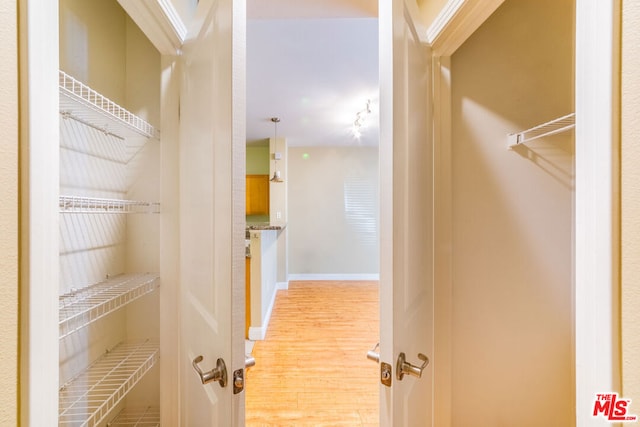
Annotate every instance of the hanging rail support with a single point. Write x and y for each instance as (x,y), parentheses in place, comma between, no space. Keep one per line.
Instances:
(561,124)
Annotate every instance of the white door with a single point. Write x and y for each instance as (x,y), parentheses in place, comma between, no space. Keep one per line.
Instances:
(406,223)
(211,224)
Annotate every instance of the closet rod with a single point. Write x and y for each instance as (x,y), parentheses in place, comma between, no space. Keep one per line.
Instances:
(549,128)
(69,115)
(77,204)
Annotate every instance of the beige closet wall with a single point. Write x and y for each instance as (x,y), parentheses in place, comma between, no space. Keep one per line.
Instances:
(430,9)
(93,40)
(9,213)
(631,203)
(512,220)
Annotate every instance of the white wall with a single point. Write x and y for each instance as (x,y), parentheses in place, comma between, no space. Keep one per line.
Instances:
(9,213)
(512,220)
(631,204)
(264,252)
(333,210)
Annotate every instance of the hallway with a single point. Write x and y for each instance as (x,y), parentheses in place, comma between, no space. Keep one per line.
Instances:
(312,369)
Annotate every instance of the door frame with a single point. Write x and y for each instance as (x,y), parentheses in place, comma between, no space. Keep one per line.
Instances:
(596,250)
(596,277)
(457,21)
(596,339)
(38,200)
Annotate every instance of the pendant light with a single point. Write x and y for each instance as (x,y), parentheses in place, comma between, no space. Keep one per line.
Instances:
(276,155)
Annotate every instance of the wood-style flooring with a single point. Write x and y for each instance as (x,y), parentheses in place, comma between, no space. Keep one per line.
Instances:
(312,370)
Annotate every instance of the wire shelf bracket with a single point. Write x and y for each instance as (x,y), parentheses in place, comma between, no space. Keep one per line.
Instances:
(552,127)
(78,101)
(88,399)
(77,204)
(83,307)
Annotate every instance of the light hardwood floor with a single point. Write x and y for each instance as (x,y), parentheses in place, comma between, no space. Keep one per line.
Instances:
(312,370)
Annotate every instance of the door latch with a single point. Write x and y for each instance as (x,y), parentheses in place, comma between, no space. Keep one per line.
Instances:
(373,354)
(238,381)
(385,374)
(219,373)
(403,367)
(238,374)
(385,368)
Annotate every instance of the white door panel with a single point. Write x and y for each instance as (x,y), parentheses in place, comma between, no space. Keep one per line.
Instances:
(407,216)
(211,239)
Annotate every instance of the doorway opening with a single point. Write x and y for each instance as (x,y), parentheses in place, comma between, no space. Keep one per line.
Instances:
(320,77)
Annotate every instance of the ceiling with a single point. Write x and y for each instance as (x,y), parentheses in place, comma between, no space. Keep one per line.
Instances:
(314,65)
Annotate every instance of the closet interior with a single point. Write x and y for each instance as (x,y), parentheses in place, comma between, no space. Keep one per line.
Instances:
(513,218)
(108,216)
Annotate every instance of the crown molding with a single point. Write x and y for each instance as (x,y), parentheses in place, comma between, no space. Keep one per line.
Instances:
(159,21)
(457,20)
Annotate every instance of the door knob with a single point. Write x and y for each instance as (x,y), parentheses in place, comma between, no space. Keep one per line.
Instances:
(373,354)
(219,373)
(403,367)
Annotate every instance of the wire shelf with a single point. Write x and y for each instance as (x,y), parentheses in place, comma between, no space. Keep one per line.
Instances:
(84,306)
(552,127)
(84,104)
(137,417)
(88,398)
(76,204)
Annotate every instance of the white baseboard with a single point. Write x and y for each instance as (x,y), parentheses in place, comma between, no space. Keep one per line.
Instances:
(258,333)
(334,277)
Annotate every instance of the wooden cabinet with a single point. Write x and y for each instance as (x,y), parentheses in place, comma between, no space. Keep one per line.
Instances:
(257,195)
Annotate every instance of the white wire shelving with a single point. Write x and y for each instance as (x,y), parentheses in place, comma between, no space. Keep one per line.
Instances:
(137,417)
(84,306)
(77,204)
(549,128)
(87,399)
(80,102)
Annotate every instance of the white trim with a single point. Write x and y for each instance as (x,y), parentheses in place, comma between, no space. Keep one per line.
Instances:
(159,21)
(173,18)
(443,19)
(412,13)
(345,277)
(258,333)
(597,359)
(39,228)
(170,243)
(456,22)
(282,286)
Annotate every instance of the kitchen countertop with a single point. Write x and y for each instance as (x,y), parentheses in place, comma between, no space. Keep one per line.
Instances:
(257,226)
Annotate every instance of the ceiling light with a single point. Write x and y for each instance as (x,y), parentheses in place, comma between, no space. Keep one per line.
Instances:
(276,155)
(361,116)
